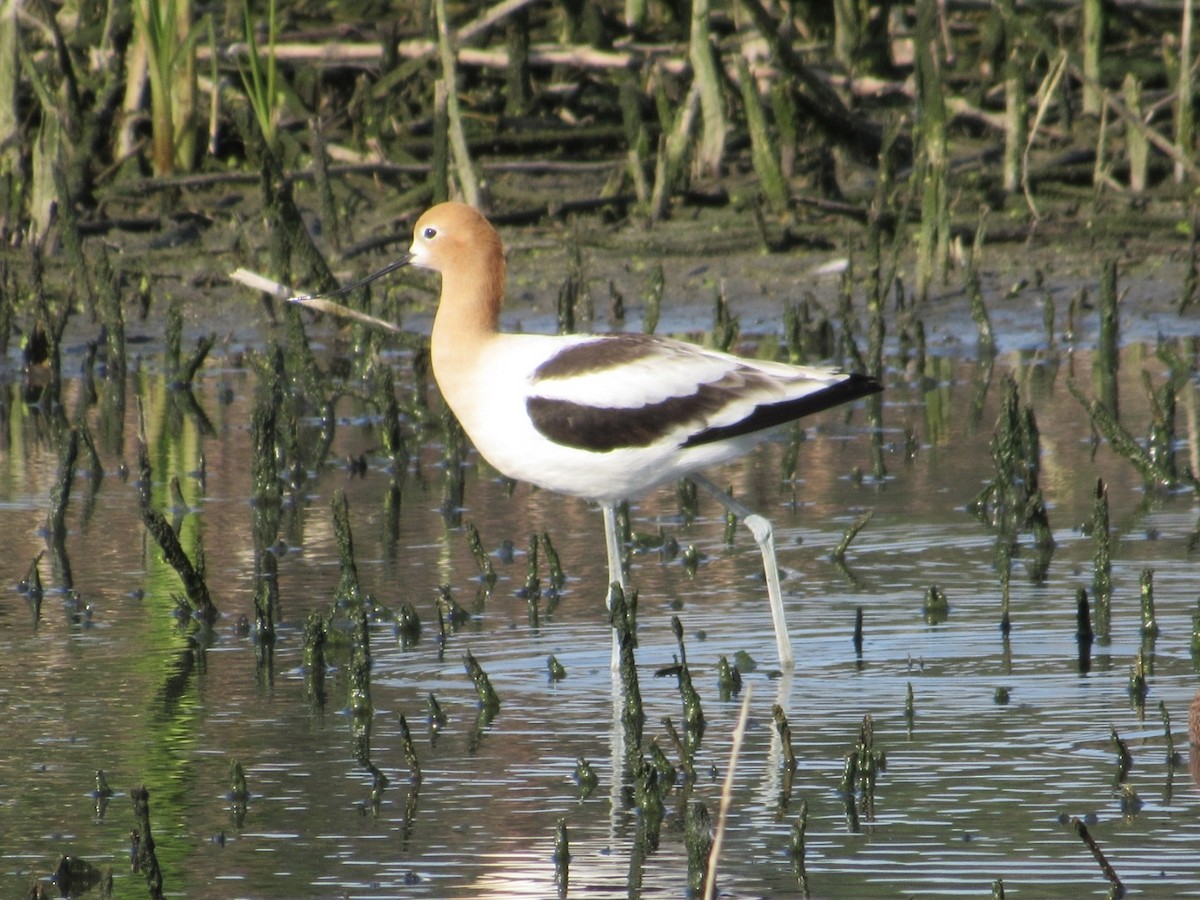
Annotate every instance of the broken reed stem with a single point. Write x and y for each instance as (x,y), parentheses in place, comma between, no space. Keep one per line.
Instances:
(1139,684)
(933,237)
(1108,358)
(291,243)
(194,585)
(1101,560)
(1137,148)
(330,221)
(729,679)
(735,748)
(33,589)
(474,191)
(1149,623)
(1092,39)
(1004,502)
(173,336)
(533,583)
(450,610)
(360,636)
(1041,105)
(881,218)
(839,552)
(408,626)
(1108,871)
(764,154)
(439,172)
(145,859)
(358,689)
(94,269)
(1084,635)
(557,577)
(1191,275)
(648,798)
(693,714)
(796,846)
(437,718)
(936,605)
(1016,102)
(562,857)
(1083,621)
(264,439)
(410,752)
(482,561)
(698,839)
(636,136)
(265,604)
(347,589)
(454,472)
(1101,169)
(1124,757)
(488,699)
(667,773)
(1119,439)
(391,433)
(707,75)
(1185,121)
(316,632)
(987,339)
(1161,445)
(725,323)
(1160,143)
(60,495)
(633,715)
(238,791)
(850,33)
(787,129)
(673,145)
(1006,599)
(652,296)
(785,736)
(1170,739)
(685,756)
(186,373)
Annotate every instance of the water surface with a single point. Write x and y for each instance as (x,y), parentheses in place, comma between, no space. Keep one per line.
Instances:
(974,789)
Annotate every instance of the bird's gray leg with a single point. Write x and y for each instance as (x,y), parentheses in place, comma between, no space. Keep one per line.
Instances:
(764,536)
(616,572)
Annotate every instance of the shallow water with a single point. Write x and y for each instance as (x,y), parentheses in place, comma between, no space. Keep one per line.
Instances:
(974,789)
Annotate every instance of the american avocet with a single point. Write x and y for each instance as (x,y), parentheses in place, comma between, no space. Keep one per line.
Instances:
(605,417)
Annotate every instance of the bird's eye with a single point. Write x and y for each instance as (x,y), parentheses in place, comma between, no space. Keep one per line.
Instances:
(429,233)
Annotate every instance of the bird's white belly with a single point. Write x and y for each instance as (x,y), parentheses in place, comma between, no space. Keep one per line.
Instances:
(522,453)
(495,418)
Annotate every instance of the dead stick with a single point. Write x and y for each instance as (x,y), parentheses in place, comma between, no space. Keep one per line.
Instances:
(1109,872)
(710,881)
(541,55)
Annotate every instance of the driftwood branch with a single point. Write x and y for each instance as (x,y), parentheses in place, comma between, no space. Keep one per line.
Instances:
(542,55)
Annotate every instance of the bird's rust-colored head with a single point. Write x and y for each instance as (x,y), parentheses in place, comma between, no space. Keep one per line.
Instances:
(456,240)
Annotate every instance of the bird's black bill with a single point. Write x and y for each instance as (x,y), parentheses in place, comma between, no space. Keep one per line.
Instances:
(400,263)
